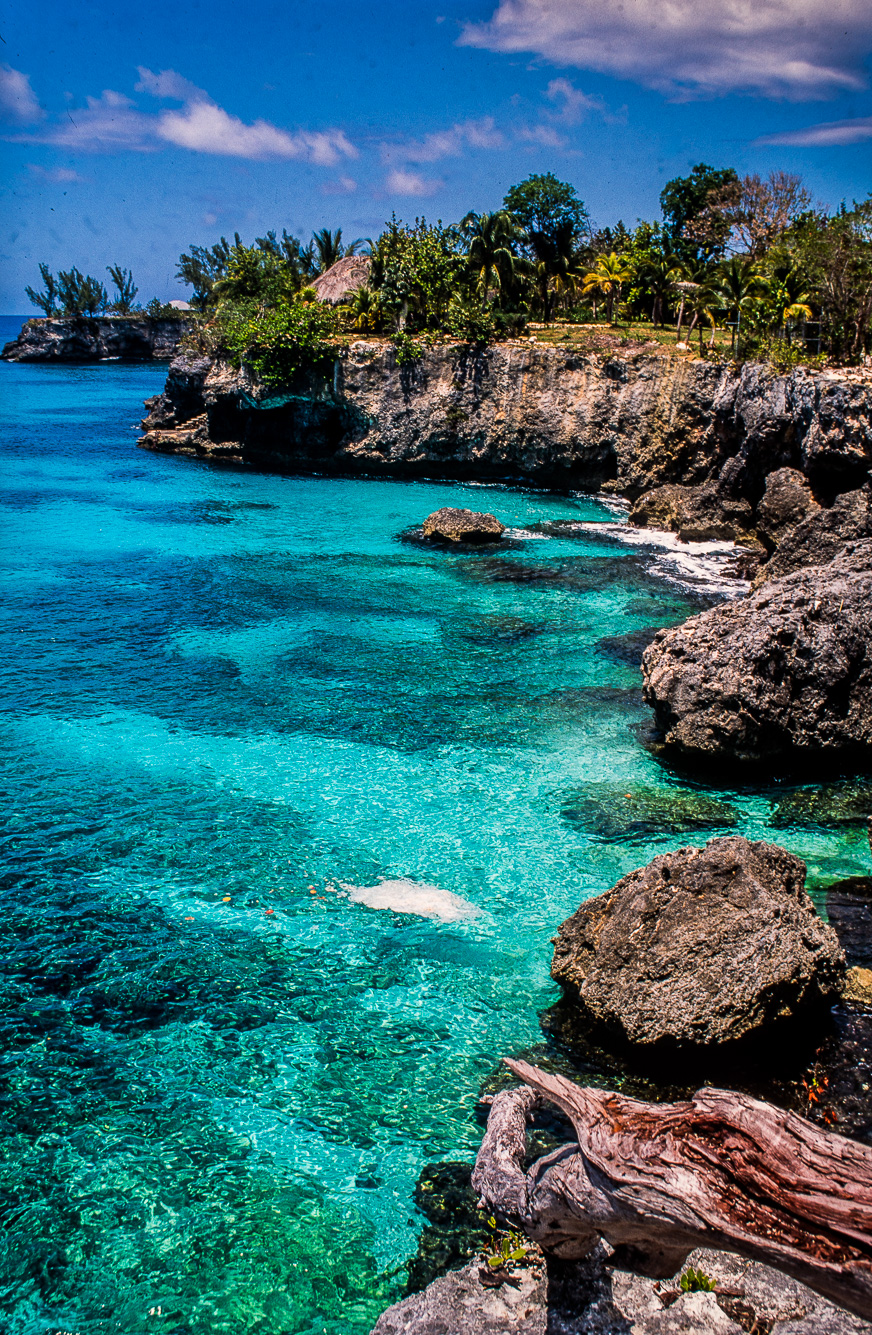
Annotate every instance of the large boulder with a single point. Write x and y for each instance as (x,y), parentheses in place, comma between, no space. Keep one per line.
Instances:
(820,535)
(784,674)
(463,526)
(704,946)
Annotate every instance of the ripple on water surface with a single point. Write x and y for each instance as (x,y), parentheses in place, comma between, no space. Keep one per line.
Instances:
(246,728)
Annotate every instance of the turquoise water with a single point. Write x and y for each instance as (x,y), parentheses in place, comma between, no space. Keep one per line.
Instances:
(226,698)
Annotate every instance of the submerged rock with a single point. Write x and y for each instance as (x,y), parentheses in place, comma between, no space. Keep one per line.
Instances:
(405,896)
(849,910)
(455,1230)
(842,804)
(702,947)
(783,674)
(627,648)
(613,814)
(463,526)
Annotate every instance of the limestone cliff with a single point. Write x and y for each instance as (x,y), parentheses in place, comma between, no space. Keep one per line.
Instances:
(128,338)
(622,422)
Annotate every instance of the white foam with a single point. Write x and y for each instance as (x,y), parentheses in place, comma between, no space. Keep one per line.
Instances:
(405,896)
(694,565)
(526,535)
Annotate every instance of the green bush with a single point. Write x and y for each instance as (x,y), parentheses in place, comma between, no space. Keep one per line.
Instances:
(408,351)
(278,345)
(162,310)
(468,323)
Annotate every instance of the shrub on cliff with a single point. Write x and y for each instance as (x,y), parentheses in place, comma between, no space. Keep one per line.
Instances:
(279,344)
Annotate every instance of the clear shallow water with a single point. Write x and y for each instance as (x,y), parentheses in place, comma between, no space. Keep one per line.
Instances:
(225,696)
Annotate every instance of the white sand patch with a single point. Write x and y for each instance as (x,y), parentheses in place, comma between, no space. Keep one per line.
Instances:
(404,896)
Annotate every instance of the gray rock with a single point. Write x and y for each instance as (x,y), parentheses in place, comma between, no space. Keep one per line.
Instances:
(463,526)
(820,536)
(629,421)
(784,674)
(702,947)
(697,514)
(96,339)
(787,500)
(592,1297)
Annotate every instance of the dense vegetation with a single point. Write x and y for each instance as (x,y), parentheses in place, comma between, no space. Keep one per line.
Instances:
(789,282)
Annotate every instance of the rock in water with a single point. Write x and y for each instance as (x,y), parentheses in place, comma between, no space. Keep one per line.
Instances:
(463,526)
(703,946)
(782,675)
(404,896)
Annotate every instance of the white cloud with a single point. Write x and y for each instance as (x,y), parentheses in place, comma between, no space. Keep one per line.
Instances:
(105,124)
(783,48)
(546,135)
(168,84)
(343,185)
(448,143)
(18,101)
(572,105)
(112,122)
(410,183)
(829,134)
(207,128)
(57,175)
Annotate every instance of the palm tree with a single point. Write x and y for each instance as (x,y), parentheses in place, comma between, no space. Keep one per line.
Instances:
(738,286)
(608,277)
(491,255)
(701,301)
(658,276)
(330,248)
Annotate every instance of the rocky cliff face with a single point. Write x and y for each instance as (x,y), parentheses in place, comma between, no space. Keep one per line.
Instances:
(104,338)
(626,423)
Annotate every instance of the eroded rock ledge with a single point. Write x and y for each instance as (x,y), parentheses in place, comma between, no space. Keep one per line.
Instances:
(625,422)
(127,338)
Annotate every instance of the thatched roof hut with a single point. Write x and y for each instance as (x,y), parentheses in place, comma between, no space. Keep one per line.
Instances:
(342,278)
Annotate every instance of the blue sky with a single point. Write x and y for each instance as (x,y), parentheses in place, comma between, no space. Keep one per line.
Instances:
(131,131)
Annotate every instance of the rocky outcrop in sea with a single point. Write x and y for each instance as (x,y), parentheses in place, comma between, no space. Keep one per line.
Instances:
(703,948)
(103,338)
(783,675)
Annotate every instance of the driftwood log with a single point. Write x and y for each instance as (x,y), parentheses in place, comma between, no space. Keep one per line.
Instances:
(657,1180)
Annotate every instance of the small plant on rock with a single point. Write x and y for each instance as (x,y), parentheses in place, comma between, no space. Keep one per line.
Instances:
(504,1249)
(696,1281)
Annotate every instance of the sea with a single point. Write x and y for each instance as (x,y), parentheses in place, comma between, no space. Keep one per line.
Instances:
(293,804)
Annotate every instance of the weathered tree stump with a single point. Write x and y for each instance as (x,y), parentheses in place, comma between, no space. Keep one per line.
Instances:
(658,1180)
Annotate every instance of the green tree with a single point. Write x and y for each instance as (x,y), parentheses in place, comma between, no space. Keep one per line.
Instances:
(329,248)
(201,267)
(415,270)
(80,294)
(693,209)
(127,289)
(836,255)
(492,240)
(608,277)
(737,288)
(45,300)
(550,208)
